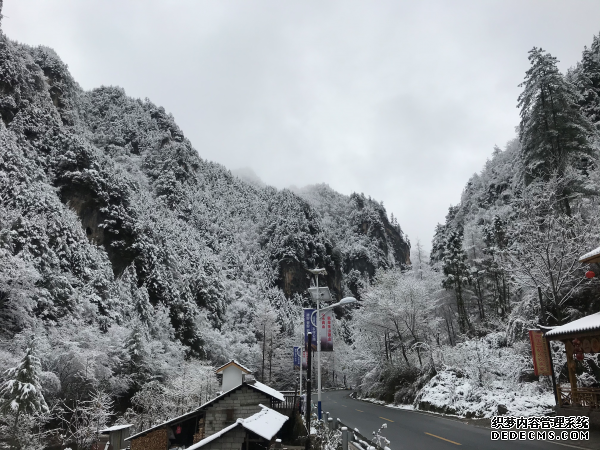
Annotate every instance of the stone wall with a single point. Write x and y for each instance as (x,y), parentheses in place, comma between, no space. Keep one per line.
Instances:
(155,440)
(229,441)
(244,403)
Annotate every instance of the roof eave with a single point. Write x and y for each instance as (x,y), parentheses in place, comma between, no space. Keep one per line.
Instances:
(573,334)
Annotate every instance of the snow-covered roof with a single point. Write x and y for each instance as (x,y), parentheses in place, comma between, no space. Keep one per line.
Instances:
(589,257)
(585,324)
(115,428)
(166,422)
(265,423)
(218,434)
(232,362)
(267,390)
(256,385)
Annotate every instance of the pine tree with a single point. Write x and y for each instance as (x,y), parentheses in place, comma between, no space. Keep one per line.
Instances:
(437,244)
(22,391)
(135,348)
(495,237)
(587,79)
(554,134)
(457,274)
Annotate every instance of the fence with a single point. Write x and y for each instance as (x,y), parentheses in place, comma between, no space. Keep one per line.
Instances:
(352,439)
(290,401)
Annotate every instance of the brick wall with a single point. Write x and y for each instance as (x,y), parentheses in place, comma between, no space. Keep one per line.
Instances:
(244,403)
(229,441)
(155,440)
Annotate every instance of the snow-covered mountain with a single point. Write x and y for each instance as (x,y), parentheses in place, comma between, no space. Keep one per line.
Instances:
(108,215)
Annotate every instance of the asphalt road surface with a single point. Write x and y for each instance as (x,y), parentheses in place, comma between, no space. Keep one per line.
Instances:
(413,430)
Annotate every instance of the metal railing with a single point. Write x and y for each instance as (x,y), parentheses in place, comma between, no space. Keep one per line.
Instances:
(352,439)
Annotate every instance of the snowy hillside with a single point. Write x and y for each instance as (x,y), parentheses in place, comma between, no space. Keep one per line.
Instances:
(451,335)
(134,261)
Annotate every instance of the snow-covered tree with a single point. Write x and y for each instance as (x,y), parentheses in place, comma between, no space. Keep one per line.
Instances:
(21,393)
(136,355)
(81,421)
(586,77)
(554,133)
(457,275)
(547,244)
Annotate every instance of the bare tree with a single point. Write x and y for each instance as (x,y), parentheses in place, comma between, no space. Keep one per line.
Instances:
(547,244)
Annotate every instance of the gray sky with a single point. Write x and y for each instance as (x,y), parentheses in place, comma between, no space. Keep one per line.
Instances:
(401,100)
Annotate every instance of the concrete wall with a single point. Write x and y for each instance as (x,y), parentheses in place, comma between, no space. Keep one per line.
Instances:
(229,441)
(244,403)
(232,377)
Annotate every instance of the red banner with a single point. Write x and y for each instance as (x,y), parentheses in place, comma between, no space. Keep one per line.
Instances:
(325,332)
(539,350)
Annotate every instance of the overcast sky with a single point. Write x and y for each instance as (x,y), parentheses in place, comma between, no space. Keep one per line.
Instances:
(401,100)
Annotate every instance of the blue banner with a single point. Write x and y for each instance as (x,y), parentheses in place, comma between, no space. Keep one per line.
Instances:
(310,327)
(297,356)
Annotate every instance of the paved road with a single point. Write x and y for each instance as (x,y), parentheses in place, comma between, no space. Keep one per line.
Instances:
(410,430)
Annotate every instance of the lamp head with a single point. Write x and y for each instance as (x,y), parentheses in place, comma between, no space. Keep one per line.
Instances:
(347,301)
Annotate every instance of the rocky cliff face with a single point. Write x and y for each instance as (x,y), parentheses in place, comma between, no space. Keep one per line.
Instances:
(364,239)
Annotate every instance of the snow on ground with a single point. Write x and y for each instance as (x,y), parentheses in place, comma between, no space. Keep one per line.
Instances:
(483,378)
(381,402)
(450,392)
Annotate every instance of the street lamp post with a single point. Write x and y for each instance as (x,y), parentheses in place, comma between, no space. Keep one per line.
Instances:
(344,301)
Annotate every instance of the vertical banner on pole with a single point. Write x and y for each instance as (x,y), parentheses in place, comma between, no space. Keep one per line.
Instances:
(304,360)
(297,357)
(326,331)
(309,327)
(539,351)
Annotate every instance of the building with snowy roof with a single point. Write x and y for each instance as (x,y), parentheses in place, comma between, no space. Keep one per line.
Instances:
(233,373)
(580,337)
(256,431)
(113,438)
(238,403)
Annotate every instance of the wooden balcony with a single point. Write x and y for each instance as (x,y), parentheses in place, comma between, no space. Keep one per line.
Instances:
(586,397)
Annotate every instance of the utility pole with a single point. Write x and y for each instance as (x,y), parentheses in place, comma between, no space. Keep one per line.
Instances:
(548,348)
(270,357)
(262,375)
(318,347)
(301,362)
(542,309)
(308,388)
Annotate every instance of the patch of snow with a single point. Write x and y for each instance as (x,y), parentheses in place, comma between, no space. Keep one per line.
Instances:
(446,393)
(267,390)
(587,323)
(115,428)
(588,255)
(216,435)
(402,406)
(219,369)
(265,423)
